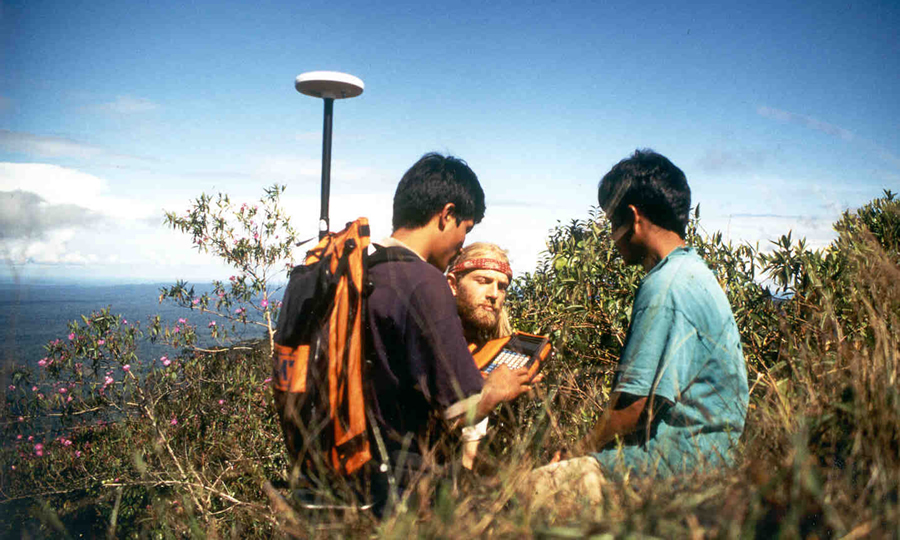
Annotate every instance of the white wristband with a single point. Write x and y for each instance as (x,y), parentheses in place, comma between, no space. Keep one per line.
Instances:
(476,432)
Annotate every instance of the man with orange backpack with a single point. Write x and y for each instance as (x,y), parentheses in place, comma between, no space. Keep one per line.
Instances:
(425,383)
(372,373)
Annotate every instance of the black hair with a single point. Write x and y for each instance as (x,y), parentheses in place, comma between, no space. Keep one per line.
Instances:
(653,184)
(430,184)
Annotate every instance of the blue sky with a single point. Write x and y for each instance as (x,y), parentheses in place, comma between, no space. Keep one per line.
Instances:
(781,116)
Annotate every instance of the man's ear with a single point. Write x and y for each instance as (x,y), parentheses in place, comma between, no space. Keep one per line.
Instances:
(448,212)
(635,217)
(451,280)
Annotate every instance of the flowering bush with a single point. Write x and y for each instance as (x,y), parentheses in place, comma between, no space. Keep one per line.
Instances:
(95,420)
(256,240)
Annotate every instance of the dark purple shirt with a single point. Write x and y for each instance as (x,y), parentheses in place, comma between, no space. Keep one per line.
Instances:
(420,364)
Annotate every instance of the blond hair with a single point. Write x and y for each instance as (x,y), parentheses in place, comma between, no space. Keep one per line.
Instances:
(486,250)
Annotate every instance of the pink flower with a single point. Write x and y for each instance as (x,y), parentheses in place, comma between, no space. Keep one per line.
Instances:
(67,442)
(182,320)
(71,336)
(221,402)
(108,381)
(268,380)
(69,399)
(165,361)
(221,294)
(101,342)
(30,438)
(12,387)
(21,419)
(174,421)
(63,390)
(211,324)
(126,367)
(77,453)
(42,362)
(34,388)
(13,467)
(19,437)
(239,310)
(176,330)
(264,303)
(196,301)
(125,322)
(39,449)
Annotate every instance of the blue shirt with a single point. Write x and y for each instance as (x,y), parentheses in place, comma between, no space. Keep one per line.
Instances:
(683,345)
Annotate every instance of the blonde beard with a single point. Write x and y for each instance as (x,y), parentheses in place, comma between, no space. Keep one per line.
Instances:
(483,327)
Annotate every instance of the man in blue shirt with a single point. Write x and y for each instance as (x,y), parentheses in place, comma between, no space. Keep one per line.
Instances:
(680,391)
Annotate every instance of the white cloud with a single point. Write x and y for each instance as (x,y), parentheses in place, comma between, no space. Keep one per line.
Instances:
(27,215)
(49,146)
(131,243)
(53,249)
(765,228)
(830,129)
(65,207)
(63,186)
(807,121)
(125,105)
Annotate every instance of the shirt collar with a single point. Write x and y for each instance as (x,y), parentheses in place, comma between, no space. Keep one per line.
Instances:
(390,241)
(677,252)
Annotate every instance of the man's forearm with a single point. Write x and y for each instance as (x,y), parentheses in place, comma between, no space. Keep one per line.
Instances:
(617,420)
(488,402)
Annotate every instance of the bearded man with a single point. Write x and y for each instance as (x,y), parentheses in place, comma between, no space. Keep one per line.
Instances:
(479,277)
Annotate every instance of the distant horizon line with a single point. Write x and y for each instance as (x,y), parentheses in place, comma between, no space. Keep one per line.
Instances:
(100,281)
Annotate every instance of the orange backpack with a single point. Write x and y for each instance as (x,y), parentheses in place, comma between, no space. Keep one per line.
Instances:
(318,357)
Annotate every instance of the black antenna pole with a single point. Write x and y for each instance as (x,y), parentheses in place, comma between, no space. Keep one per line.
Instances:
(326,167)
(328,85)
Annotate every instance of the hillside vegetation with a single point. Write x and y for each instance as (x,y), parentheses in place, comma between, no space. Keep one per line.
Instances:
(98,441)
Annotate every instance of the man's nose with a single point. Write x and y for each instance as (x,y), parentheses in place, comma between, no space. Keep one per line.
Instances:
(493,292)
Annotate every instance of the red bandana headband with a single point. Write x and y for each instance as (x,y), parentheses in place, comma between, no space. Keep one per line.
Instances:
(482,264)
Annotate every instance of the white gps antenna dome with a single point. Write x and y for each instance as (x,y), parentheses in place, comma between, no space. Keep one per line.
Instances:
(329,84)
